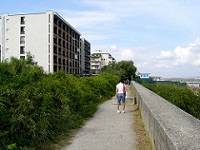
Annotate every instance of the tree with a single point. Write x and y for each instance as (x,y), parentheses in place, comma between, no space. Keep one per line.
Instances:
(29,60)
(122,69)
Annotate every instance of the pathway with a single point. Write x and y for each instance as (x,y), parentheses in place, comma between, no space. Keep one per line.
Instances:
(107,130)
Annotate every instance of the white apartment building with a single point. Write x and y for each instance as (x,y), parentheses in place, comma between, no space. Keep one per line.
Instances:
(53,42)
(100,59)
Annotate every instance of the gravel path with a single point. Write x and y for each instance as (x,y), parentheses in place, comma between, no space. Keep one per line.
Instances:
(107,130)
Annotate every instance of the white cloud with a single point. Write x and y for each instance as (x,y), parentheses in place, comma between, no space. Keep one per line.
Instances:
(197,62)
(166,55)
(104,15)
(195,46)
(183,60)
(119,9)
(188,54)
(88,19)
(114,48)
(183,55)
(126,54)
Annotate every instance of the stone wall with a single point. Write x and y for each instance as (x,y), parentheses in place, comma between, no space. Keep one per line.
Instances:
(169,127)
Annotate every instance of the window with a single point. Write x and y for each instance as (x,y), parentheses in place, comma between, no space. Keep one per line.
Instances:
(76,57)
(49,48)
(49,58)
(49,18)
(22,57)
(22,50)
(22,40)
(22,30)
(22,20)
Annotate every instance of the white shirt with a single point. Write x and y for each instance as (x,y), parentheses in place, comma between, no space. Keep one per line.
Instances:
(120,87)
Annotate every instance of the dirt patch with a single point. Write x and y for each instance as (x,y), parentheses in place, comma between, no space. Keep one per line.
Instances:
(142,139)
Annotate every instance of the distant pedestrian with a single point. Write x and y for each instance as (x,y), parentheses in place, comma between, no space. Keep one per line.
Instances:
(121,92)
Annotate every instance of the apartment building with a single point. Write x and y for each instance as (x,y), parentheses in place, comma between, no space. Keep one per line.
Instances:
(53,42)
(85,57)
(100,59)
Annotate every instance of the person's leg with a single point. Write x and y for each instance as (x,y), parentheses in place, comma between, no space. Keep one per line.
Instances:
(123,107)
(118,102)
(123,104)
(120,99)
(117,106)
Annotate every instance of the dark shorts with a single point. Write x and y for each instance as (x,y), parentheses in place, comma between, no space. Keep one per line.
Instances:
(120,98)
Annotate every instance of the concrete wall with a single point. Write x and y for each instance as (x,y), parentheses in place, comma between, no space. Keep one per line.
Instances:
(169,127)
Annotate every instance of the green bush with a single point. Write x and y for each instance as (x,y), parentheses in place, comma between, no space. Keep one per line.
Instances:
(36,108)
(180,96)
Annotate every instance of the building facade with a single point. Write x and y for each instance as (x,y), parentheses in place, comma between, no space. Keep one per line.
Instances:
(100,59)
(144,75)
(53,42)
(85,57)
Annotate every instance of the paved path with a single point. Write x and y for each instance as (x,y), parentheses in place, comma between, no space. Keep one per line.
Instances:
(107,130)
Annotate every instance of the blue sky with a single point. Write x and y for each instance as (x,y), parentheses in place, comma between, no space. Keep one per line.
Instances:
(161,37)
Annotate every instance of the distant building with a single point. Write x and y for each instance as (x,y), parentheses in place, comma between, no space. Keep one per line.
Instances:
(190,84)
(137,73)
(144,75)
(156,78)
(53,42)
(100,59)
(85,57)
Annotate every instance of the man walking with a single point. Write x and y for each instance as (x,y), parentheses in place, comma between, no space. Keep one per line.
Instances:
(120,92)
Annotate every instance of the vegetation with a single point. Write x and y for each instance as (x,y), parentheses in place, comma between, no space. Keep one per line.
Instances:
(122,69)
(35,107)
(181,96)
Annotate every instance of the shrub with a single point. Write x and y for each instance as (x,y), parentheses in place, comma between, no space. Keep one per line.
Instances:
(36,108)
(180,96)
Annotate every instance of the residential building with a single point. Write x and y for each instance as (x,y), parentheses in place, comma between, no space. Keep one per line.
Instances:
(100,59)
(85,57)
(144,75)
(155,78)
(53,42)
